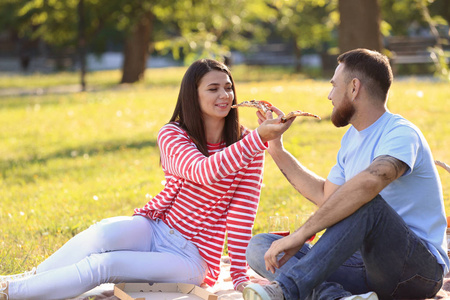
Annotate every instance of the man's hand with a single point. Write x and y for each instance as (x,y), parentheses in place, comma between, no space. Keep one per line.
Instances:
(270,128)
(290,245)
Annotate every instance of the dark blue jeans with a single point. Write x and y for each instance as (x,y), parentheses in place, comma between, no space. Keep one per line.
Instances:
(371,250)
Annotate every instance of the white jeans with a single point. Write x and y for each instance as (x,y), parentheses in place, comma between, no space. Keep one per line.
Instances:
(119,249)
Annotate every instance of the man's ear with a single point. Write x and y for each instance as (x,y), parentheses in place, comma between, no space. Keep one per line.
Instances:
(355,87)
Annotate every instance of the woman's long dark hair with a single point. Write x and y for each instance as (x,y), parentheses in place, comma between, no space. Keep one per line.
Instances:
(187,110)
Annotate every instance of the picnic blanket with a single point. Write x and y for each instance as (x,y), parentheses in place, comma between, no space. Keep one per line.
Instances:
(224,287)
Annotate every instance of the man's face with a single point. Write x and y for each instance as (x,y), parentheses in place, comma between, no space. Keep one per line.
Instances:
(339,95)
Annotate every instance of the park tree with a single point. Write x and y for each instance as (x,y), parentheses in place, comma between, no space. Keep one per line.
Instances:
(58,24)
(24,20)
(421,18)
(137,22)
(406,17)
(360,25)
(441,8)
(203,28)
(137,48)
(399,16)
(308,24)
(191,29)
(186,28)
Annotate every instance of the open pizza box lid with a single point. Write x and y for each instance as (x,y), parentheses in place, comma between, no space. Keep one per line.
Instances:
(161,291)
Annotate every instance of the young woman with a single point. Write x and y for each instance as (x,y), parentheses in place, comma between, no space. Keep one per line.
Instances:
(213,169)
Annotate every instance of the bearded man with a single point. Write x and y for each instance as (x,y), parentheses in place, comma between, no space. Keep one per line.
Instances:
(381,204)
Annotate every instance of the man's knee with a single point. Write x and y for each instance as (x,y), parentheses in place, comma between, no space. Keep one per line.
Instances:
(257,248)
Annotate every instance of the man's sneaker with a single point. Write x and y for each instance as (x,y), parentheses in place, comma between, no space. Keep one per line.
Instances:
(255,291)
(8,278)
(366,296)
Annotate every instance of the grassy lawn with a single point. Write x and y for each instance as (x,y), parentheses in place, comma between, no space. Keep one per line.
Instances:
(70,159)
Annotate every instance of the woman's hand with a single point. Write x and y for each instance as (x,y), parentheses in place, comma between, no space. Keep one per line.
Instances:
(270,128)
(242,285)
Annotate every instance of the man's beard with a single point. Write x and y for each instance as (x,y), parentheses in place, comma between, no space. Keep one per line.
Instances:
(341,116)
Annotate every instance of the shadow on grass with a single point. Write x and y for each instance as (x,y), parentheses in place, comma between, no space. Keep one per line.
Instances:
(73,153)
(23,97)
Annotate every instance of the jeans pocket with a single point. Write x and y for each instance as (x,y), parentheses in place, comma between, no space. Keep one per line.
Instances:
(175,238)
(417,287)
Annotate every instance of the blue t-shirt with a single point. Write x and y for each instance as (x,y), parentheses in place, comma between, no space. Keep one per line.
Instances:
(417,195)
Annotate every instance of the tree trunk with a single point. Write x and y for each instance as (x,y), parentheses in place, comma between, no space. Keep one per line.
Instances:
(446,12)
(360,25)
(82,44)
(136,50)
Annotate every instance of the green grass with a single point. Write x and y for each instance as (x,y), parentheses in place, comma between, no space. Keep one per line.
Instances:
(157,77)
(70,159)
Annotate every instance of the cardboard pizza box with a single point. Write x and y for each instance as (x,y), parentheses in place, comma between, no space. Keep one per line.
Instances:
(161,291)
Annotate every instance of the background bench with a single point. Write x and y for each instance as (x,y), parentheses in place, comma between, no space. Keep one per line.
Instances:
(413,50)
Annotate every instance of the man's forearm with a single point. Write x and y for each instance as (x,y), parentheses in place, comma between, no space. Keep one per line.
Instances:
(356,192)
(307,183)
(341,204)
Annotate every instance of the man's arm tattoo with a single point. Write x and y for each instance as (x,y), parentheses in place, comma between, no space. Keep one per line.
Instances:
(387,167)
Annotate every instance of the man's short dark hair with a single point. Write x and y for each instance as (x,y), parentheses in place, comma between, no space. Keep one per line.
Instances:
(371,68)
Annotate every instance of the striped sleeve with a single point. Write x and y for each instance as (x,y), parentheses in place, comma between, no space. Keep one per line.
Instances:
(241,217)
(180,157)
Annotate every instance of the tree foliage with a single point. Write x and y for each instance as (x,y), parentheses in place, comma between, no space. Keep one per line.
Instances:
(189,29)
(203,28)
(306,24)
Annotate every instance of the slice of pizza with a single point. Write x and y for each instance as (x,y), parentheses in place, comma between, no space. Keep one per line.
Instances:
(265,106)
(261,105)
(298,113)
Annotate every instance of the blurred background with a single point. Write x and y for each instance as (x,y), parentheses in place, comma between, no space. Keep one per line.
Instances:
(304,35)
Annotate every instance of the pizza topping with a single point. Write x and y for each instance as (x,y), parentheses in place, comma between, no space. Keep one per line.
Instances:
(265,106)
(261,105)
(298,113)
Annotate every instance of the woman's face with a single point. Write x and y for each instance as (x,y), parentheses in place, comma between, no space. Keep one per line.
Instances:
(215,95)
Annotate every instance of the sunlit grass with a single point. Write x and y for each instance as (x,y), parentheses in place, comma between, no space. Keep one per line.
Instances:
(70,159)
(153,76)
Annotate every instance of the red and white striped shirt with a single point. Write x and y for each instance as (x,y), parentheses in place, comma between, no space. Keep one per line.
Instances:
(205,196)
